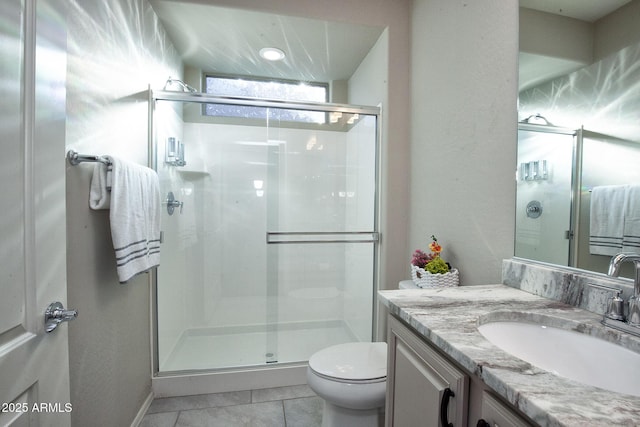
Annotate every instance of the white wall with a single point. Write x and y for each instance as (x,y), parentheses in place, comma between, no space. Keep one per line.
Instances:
(463,123)
(617,30)
(369,83)
(116,48)
(603,97)
(556,36)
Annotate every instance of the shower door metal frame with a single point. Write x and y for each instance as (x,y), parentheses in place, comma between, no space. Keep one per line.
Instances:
(576,179)
(374,235)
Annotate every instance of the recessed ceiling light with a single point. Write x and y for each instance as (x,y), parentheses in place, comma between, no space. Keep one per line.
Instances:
(272,54)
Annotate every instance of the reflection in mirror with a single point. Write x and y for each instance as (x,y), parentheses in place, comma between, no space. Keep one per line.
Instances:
(579,71)
(543,195)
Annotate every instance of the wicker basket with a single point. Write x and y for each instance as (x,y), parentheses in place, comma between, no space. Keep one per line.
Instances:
(424,279)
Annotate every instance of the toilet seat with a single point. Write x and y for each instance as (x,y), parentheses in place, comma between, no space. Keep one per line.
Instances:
(342,380)
(359,362)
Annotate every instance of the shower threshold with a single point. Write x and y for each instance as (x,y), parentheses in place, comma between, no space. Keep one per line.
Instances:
(253,345)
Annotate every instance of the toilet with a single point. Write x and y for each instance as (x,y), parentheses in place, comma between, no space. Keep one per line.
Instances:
(352,380)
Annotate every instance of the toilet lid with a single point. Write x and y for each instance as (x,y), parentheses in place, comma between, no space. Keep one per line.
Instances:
(352,361)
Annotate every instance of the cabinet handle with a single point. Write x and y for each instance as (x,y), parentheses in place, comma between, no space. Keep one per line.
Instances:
(444,406)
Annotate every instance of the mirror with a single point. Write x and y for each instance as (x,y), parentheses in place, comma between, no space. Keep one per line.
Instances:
(579,99)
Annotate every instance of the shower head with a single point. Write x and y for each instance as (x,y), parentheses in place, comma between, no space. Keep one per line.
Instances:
(537,119)
(183,86)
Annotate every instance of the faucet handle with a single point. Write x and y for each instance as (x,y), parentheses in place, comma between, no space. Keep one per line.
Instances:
(634,311)
(615,307)
(615,304)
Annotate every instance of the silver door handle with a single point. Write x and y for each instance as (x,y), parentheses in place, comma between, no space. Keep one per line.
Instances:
(56,314)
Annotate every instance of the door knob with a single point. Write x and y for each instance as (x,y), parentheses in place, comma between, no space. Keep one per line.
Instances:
(56,314)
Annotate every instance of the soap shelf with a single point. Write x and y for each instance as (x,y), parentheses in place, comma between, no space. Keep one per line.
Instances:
(534,171)
(174,152)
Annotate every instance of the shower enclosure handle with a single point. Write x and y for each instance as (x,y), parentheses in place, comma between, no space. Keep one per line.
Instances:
(280,237)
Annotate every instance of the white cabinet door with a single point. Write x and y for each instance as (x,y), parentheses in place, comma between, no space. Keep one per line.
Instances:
(497,414)
(417,380)
(34,365)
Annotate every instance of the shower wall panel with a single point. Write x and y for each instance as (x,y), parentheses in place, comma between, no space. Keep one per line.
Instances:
(239,159)
(173,257)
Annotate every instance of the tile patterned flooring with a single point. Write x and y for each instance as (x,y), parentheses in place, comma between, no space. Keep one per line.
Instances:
(294,406)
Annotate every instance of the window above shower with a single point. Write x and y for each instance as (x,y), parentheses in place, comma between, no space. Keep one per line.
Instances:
(284,90)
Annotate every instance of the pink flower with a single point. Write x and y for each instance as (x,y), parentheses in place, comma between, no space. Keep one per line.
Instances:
(420,258)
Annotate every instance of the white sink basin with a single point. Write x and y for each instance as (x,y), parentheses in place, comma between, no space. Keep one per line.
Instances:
(569,354)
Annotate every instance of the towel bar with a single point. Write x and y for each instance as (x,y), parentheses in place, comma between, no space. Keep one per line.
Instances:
(74,158)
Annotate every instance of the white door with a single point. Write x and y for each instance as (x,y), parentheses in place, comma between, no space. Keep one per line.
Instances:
(34,364)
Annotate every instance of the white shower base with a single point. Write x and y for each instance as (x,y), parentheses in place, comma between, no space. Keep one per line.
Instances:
(253,346)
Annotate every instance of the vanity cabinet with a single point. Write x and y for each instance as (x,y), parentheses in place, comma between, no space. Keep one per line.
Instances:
(423,388)
(418,377)
(497,414)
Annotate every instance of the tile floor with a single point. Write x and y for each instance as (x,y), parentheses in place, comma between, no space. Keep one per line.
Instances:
(294,406)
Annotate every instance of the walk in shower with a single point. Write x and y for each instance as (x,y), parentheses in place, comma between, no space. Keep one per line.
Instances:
(269,229)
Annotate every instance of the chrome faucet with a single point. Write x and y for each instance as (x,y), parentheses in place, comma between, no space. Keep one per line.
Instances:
(634,301)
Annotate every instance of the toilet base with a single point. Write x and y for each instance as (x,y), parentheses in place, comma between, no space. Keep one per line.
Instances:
(337,416)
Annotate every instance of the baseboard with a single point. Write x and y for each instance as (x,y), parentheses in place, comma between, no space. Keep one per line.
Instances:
(143,410)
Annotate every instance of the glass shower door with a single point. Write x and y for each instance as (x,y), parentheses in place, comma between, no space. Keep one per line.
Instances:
(544,193)
(270,252)
(321,236)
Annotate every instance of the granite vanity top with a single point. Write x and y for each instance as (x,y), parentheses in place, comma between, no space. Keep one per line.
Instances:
(448,317)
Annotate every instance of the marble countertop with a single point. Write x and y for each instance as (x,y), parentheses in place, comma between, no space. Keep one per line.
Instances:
(448,317)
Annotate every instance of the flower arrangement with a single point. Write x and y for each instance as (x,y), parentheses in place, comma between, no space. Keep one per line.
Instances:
(429,269)
(431,262)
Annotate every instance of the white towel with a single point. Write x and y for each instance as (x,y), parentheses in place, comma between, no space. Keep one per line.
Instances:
(607,219)
(100,192)
(134,203)
(631,233)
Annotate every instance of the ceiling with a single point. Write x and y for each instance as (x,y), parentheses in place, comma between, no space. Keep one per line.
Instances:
(227,41)
(584,10)
(535,69)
